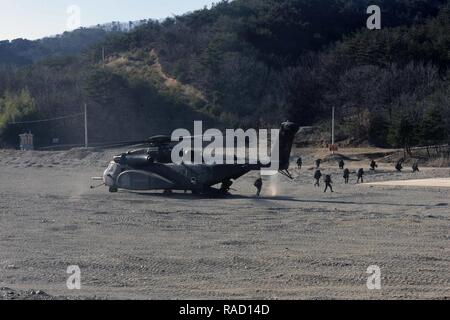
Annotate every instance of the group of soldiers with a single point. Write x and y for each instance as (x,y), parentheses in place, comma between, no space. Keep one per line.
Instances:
(399,166)
(328,181)
(346,173)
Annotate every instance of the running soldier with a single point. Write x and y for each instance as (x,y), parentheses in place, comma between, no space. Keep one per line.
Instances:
(317,176)
(346,175)
(399,165)
(226,186)
(258,185)
(318,163)
(415,167)
(328,183)
(360,175)
(373,165)
(299,163)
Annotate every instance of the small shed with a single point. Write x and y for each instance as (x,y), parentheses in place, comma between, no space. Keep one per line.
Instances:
(26,141)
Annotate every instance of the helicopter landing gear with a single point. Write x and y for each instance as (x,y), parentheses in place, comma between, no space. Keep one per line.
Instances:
(167,192)
(113,189)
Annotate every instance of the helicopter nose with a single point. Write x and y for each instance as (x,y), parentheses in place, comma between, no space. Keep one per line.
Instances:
(107,179)
(110,174)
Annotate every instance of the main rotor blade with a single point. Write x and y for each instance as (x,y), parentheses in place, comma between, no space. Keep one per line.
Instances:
(121,144)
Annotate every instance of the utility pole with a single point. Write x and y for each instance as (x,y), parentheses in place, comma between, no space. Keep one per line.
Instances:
(86,140)
(333,130)
(103,54)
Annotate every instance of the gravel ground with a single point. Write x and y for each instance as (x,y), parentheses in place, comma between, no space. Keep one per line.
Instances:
(293,243)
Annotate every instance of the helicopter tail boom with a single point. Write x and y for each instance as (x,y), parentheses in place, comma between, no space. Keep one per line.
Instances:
(284,144)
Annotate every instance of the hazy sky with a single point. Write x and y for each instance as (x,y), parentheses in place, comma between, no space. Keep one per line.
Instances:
(33,19)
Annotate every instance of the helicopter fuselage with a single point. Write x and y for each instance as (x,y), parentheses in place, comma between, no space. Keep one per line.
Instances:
(169,176)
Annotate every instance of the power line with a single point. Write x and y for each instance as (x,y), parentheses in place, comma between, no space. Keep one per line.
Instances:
(48,120)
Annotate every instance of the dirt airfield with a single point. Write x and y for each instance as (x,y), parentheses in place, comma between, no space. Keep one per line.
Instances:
(293,243)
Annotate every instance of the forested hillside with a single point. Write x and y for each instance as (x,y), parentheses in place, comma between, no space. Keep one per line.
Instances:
(247,63)
(22,52)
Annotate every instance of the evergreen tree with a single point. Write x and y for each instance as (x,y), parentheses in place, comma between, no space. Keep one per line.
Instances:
(434,129)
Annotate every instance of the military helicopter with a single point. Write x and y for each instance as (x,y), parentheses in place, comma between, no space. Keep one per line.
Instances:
(151,168)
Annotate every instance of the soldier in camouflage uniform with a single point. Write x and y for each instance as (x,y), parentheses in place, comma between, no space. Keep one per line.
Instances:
(360,175)
(258,184)
(328,183)
(346,175)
